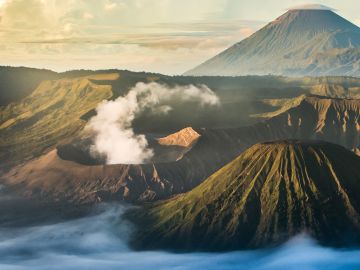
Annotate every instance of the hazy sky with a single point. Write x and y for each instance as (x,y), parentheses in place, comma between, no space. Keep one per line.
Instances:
(167,36)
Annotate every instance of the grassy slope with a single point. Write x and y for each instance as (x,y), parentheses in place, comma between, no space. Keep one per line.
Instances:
(267,194)
(18,82)
(46,117)
(51,112)
(54,112)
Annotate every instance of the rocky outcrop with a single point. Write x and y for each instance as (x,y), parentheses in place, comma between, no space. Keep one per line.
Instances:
(186,137)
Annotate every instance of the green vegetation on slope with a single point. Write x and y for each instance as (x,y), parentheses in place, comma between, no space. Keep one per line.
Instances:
(48,116)
(18,82)
(269,193)
(31,111)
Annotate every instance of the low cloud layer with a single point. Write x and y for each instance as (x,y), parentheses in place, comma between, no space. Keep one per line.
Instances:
(114,137)
(99,242)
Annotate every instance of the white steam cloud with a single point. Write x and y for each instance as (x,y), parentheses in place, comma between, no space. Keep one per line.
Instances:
(114,137)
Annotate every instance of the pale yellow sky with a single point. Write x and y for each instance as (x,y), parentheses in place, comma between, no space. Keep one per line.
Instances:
(167,36)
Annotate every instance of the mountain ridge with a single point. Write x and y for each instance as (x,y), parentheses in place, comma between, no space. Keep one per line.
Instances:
(330,119)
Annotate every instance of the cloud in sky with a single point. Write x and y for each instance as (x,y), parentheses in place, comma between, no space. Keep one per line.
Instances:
(88,15)
(110,6)
(136,34)
(167,36)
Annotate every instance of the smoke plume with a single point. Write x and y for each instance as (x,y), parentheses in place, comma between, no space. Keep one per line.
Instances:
(114,137)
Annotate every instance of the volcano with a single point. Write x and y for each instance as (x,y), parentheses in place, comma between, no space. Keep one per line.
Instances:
(272,191)
(183,159)
(306,40)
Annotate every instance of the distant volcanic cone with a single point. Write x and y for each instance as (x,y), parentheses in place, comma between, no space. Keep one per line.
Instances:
(306,40)
(269,193)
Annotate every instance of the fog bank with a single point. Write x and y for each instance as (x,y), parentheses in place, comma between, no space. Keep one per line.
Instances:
(99,242)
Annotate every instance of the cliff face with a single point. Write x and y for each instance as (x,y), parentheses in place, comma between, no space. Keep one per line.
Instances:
(304,118)
(315,117)
(269,193)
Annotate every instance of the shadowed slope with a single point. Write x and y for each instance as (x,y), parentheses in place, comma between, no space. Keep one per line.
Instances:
(269,193)
(315,117)
(18,82)
(304,118)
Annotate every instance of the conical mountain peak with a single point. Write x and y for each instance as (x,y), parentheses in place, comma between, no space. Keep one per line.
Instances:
(311,7)
(272,191)
(303,41)
(313,20)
